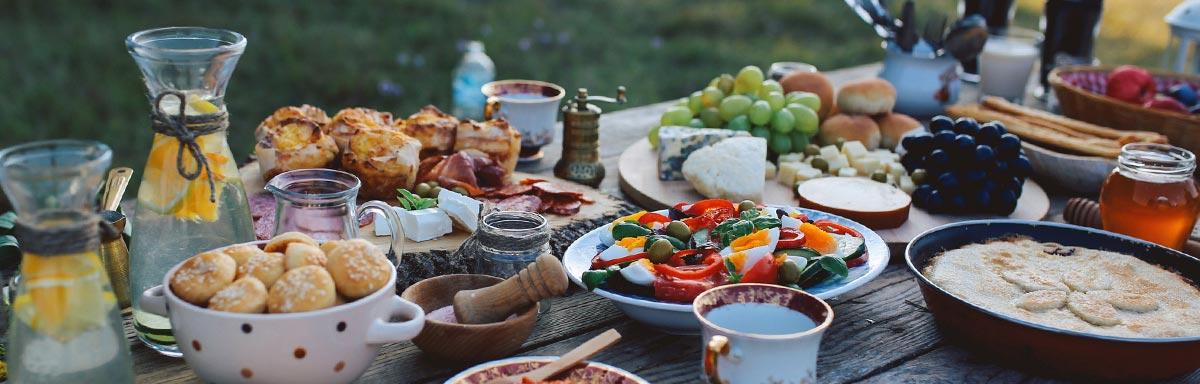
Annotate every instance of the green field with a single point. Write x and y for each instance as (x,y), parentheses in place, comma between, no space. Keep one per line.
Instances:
(65,71)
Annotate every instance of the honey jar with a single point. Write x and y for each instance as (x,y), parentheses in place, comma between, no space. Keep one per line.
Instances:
(1151,195)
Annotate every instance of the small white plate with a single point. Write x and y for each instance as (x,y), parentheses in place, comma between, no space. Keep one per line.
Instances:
(678,318)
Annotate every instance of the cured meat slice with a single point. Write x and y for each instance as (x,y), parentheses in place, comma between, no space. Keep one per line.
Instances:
(524,203)
(510,191)
(565,208)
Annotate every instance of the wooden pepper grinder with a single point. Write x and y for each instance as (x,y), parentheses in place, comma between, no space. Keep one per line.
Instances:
(580,160)
(543,278)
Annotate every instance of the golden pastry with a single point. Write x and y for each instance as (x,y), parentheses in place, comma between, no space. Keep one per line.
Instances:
(294,144)
(201,276)
(350,121)
(300,254)
(434,129)
(266,267)
(246,295)
(317,115)
(329,245)
(280,242)
(358,269)
(307,288)
(242,252)
(384,160)
(495,137)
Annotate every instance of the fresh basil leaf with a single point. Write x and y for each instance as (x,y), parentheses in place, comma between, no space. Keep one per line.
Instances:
(835,265)
(749,214)
(766,222)
(7,221)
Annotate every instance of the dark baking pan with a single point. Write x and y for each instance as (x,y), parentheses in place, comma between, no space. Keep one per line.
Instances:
(1042,349)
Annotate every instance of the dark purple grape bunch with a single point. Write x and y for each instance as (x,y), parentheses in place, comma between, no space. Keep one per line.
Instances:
(963,167)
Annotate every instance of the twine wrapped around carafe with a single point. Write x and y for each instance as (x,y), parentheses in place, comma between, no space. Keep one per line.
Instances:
(186,132)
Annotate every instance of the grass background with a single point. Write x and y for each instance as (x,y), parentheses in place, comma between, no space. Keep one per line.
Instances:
(66,74)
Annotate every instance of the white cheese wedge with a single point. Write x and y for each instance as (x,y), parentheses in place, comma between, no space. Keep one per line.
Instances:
(730,169)
(838,163)
(829,152)
(866,165)
(787,173)
(677,143)
(463,211)
(419,225)
(854,149)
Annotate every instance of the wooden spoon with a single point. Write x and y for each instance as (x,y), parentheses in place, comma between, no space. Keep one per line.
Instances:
(570,359)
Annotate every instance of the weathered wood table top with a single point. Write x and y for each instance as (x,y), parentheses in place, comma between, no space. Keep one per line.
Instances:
(881,332)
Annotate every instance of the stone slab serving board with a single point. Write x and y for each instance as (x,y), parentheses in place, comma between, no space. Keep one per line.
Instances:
(638,172)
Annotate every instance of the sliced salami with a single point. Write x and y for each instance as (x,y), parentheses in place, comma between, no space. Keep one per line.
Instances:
(525,203)
(565,208)
(509,191)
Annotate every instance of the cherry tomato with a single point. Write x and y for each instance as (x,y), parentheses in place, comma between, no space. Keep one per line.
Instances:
(651,218)
(764,271)
(702,206)
(790,238)
(678,290)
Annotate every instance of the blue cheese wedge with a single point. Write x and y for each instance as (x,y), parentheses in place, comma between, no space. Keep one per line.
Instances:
(677,143)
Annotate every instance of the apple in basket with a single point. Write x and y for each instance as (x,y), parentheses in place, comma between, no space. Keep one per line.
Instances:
(1165,103)
(1131,84)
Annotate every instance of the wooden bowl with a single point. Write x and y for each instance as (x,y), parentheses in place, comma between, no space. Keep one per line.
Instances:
(1079,174)
(1080,93)
(466,342)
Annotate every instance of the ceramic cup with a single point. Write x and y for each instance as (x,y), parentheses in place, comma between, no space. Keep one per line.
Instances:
(332,345)
(760,333)
(531,106)
(924,85)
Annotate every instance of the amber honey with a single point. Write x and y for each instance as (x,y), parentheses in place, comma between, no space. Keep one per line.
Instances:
(1152,195)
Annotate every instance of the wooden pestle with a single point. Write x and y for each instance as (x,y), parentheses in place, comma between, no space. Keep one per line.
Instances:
(543,278)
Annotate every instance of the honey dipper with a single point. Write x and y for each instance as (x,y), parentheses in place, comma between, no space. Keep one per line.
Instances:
(543,278)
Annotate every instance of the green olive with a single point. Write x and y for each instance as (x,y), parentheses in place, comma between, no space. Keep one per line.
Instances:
(789,272)
(746,205)
(679,230)
(919,176)
(820,164)
(422,190)
(879,176)
(434,191)
(838,143)
(812,150)
(660,252)
(459,190)
(433,184)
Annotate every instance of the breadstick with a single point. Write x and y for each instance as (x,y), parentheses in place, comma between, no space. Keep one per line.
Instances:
(1037,134)
(1002,105)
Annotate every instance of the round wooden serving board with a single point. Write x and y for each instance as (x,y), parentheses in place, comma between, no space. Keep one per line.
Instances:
(253,182)
(638,170)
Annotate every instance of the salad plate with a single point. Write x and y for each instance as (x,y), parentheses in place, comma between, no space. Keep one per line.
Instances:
(676,316)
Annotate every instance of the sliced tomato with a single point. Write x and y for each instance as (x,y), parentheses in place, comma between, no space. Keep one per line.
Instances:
(857,261)
(764,271)
(702,206)
(832,227)
(790,238)
(597,264)
(680,290)
(651,218)
(677,258)
(712,264)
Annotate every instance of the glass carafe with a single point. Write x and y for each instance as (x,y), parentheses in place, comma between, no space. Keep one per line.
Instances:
(65,326)
(322,203)
(191,198)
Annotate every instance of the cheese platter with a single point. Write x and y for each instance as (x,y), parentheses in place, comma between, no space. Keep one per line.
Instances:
(642,185)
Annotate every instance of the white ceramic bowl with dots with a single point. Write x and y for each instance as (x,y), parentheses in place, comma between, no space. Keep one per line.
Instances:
(331,345)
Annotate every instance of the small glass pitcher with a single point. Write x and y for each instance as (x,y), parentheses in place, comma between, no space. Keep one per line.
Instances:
(321,204)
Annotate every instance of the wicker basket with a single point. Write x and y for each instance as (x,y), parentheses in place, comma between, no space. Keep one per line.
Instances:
(1080,92)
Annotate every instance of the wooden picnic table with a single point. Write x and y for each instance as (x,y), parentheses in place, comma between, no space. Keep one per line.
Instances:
(881,332)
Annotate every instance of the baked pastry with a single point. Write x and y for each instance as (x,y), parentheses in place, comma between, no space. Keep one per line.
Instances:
(294,144)
(850,128)
(246,295)
(202,275)
(434,129)
(496,138)
(892,128)
(384,160)
(242,252)
(329,245)
(307,112)
(814,82)
(303,289)
(280,242)
(300,254)
(350,121)
(266,267)
(866,97)
(358,269)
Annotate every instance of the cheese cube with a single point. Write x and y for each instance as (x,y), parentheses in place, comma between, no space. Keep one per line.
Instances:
(677,143)
(770,171)
(847,172)
(419,225)
(854,149)
(907,185)
(807,174)
(867,165)
(462,210)
(895,169)
(787,173)
(791,157)
(829,152)
(838,163)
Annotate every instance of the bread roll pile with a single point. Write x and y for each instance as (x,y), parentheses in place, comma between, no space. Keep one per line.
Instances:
(864,114)
(291,273)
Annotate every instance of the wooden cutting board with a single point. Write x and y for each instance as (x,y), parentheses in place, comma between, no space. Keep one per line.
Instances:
(638,170)
(253,182)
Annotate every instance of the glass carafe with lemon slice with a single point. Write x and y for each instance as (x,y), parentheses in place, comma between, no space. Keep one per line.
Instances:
(64,326)
(191,198)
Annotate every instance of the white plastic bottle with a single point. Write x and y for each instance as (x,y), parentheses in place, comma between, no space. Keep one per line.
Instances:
(475,70)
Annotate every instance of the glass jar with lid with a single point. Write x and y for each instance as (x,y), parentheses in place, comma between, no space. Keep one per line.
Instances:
(1152,194)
